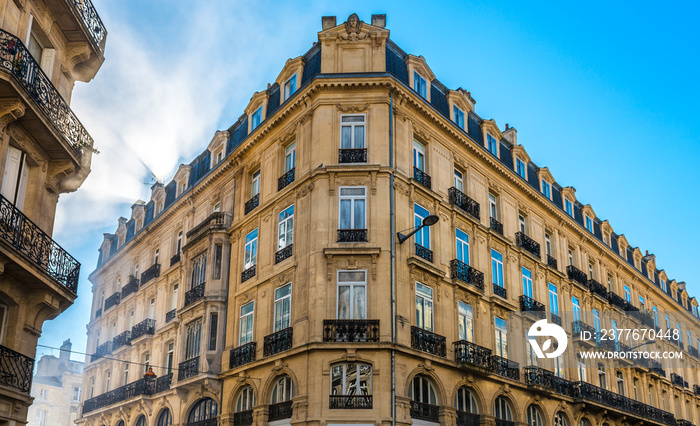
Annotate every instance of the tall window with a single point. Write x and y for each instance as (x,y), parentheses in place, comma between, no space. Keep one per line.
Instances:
(568,207)
(458,180)
(418,156)
(283,307)
(255,184)
(165,419)
(352,131)
(213,330)
(663,285)
(205,409)
(534,418)
(170,358)
(218,256)
(620,383)
(492,144)
(571,257)
(351,379)
(462,246)
(353,206)
(501,337)
(420,85)
(596,323)
(422,390)
(14,180)
(256,118)
(40,418)
(656,316)
(352,294)
(178,244)
(173,297)
(493,210)
(641,304)
(546,189)
(560,419)
(465,401)
(156,256)
(290,157)
(502,410)
(589,224)
(553,299)
(527,283)
(422,237)
(576,309)
(193,337)
(108,377)
(282,391)
(246,399)
(628,295)
(521,224)
(424,307)
(246,323)
(458,116)
(285,228)
(668,323)
(290,86)
(466,322)
(601,376)
(547,244)
(250,256)
(521,168)
(582,371)
(497,268)
(199,270)
(126,375)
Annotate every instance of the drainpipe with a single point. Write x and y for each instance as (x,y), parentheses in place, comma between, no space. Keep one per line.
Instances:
(393,259)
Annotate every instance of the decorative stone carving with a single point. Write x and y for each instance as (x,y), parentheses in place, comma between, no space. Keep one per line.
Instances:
(353,26)
(353,108)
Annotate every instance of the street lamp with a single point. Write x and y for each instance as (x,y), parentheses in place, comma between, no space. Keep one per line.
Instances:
(430,220)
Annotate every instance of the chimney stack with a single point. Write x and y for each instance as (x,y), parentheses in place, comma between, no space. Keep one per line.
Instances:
(379,20)
(327,22)
(64,356)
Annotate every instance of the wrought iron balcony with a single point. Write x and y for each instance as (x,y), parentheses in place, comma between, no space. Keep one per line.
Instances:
(421,177)
(131,287)
(499,291)
(280,411)
(470,353)
(528,244)
(427,341)
(187,369)
(528,304)
(353,402)
(424,253)
(91,20)
(102,350)
(598,288)
(556,319)
(351,330)
(352,235)
(656,368)
(252,203)
(467,419)
(112,300)
(496,226)
(122,339)
(616,300)
(284,253)
(248,274)
(551,262)
(278,342)
(579,326)
(217,221)
(630,307)
(693,351)
(352,155)
(696,389)
(144,386)
(424,411)
(501,422)
(684,423)
(163,382)
(17,60)
(535,376)
(175,259)
(577,275)
(285,179)
(466,273)
(242,418)
(242,355)
(461,200)
(147,326)
(150,273)
(677,379)
(15,370)
(98,313)
(170,315)
(505,367)
(194,294)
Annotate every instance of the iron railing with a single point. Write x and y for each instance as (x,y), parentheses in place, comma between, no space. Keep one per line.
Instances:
(496,225)
(424,253)
(144,386)
(427,341)
(350,402)
(466,273)
(684,423)
(217,221)
(535,376)
(15,369)
(248,274)
(122,339)
(112,300)
(92,22)
(352,155)
(187,369)
(175,259)
(163,382)
(528,244)
(616,300)
(285,179)
(277,342)
(150,273)
(242,418)
(461,200)
(551,262)
(577,327)
(102,350)
(131,287)
(98,313)
(556,319)
(147,326)
(421,177)
(280,411)
(577,275)
(242,355)
(470,353)
(351,330)
(677,379)
(252,203)
(467,419)
(170,315)
(505,367)
(598,288)
(501,422)
(500,291)
(656,368)
(528,304)
(284,253)
(352,235)
(424,411)
(194,294)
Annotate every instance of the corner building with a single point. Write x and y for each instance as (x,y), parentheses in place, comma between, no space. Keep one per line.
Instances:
(322,311)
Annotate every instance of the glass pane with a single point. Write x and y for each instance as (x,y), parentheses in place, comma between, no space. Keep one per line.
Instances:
(351,379)
(429,315)
(359,214)
(345,137)
(351,276)
(360,298)
(359,136)
(345,214)
(343,302)
(365,379)
(337,380)
(347,192)
(419,311)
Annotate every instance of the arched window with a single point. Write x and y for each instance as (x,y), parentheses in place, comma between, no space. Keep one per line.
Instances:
(502,410)
(351,379)
(246,399)
(560,419)
(584,422)
(534,418)
(282,391)
(204,409)
(165,419)
(121,423)
(465,401)
(422,390)
(141,421)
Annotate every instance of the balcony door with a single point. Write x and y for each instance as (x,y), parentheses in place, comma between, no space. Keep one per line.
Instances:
(14,179)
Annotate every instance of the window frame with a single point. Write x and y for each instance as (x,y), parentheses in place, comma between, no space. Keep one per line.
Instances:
(256,115)
(465,321)
(458,116)
(423,234)
(345,388)
(520,167)
(420,85)
(280,302)
(419,156)
(497,269)
(288,89)
(353,199)
(285,220)
(250,250)
(353,285)
(352,125)
(290,157)
(249,318)
(492,144)
(427,307)
(462,246)
(548,191)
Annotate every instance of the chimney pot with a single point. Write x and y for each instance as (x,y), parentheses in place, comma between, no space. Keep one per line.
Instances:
(507,126)
(327,22)
(379,20)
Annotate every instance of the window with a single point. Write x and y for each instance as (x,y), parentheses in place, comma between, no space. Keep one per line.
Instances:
(92,387)
(290,157)
(601,376)
(422,237)
(250,256)
(462,246)
(178,244)
(553,299)
(169,358)
(641,304)
(255,184)
(108,377)
(352,295)
(520,167)
(353,206)
(156,256)
(14,180)
(620,383)
(590,271)
(680,335)
(146,362)
(581,371)
(256,118)
(351,379)
(496,268)
(458,181)
(492,144)
(218,255)
(422,390)
(571,257)
(205,409)
(568,207)
(493,210)
(502,410)
(282,391)
(246,399)
(173,298)
(164,418)
(466,322)
(576,309)
(418,156)
(126,375)
(285,228)
(290,86)
(547,244)
(43,394)
(419,84)
(199,270)
(589,224)
(283,307)
(76,393)
(668,323)
(141,421)
(560,419)
(596,323)
(663,285)
(534,418)
(656,316)
(501,337)
(458,116)
(246,323)
(546,189)
(193,336)
(152,309)
(651,395)
(465,401)
(521,224)
(424,307)
(40,418)
(690,340)
(213,326)
(352,131)
(628,295)
(527,283)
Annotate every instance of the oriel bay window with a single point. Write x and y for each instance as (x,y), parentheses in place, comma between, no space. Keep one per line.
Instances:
(352,214)
(352,139)
(285,234)
(351,386)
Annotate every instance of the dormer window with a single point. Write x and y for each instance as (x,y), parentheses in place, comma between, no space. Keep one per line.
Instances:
(290,86)
(663,285)
(458,116)
(420,85)
(605,238)
(569,207)
(589,224)
(492,144)
(256,118)
(520,167)
(546,189)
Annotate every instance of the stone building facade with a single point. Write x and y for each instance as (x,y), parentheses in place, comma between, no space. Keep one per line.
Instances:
(45,47)
(331,310)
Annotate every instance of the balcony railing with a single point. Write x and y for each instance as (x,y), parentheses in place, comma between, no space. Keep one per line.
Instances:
(278,342)
(175,259)
(677,379)
(616,300)
(187,369)
(16,59)
(551,262)
(528,304)
(150,273)
(98,313)
(217,221)
(467,419)
(144,386)
(252,203)
(122,339)
(248,274)
(427,341)
(242,355)
(461,200)
(501,422)
(421,177)
(598,288)
(499,291)
(285,179)
(102,350)
(693,351)
(131,287)
(505,367)
(352,235)
(280,411)
(684,423)
(556,319)
(696,389)
(577,275)
(170,315)
(147,326)
(527,244)
(656,368)
(194,294)
(92,21)
(163,382)
(284,253)
(466,273)
(15,370)
(424,411)
(424,253)
(112,300)
(242,418)
(353,402)
(352,155)
(535,376)
(470,353)
(496,225)
(351,330)
(579,326)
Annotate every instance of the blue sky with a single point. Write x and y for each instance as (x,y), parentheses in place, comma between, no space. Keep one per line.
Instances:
(602,93)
